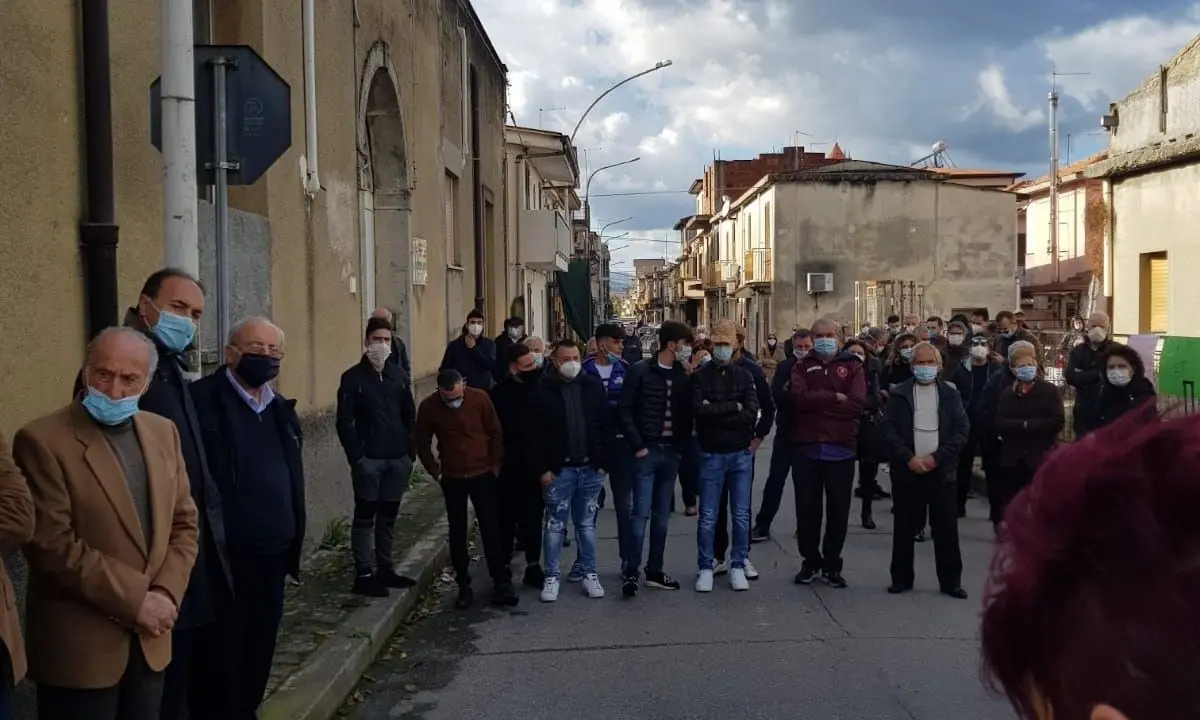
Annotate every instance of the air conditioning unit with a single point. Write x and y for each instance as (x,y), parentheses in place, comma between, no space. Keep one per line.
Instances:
(819,283)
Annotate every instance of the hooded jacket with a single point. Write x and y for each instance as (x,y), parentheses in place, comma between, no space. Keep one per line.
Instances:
(822,419)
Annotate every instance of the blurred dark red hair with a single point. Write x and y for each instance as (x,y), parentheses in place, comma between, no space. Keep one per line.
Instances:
(1094,593)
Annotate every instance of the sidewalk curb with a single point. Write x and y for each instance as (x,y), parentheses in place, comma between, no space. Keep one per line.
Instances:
(317,689)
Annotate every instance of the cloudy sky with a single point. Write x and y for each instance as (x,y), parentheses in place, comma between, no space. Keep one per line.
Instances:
(882,78)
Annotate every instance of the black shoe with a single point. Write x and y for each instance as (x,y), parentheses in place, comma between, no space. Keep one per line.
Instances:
(464,598)
(868,522)
(897,588)
(629,587)
(920,536)
(389,578)
(881,494)
(368,585)
(534,577)
(503,596)
(834,578)
(760,534)
(662,581)
(566,542)
(860,492)
(955,592)
(806,575)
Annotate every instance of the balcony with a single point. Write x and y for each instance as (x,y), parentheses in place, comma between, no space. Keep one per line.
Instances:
(545,238)
(758,268)
(719,273)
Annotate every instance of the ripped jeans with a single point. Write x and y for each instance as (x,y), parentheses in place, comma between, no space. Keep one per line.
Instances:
(573,493)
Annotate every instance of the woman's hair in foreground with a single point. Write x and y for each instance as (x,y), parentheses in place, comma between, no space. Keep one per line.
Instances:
(1094,593)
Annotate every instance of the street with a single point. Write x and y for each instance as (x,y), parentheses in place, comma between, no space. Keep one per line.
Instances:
(778,651)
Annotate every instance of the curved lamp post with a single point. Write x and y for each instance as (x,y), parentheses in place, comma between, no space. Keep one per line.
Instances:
(657,66)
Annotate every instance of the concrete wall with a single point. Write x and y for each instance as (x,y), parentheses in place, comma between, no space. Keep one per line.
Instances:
(1140,111)
(1157,212)
(958,242)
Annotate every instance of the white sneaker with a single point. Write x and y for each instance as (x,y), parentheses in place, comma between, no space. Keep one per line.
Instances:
(592,586)
(737,579)
(751,571)
(704,581)
(550,590)
(720,568)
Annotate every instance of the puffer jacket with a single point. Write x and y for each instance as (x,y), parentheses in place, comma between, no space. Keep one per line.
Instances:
(643,402)
(717,391)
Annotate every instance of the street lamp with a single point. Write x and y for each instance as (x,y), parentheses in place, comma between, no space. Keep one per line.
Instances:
(614,222)
(587,211)
(657,66)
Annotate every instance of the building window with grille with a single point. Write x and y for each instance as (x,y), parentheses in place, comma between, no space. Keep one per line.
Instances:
(1154,293)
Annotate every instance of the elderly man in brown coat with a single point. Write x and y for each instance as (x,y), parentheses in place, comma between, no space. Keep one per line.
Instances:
(113,544)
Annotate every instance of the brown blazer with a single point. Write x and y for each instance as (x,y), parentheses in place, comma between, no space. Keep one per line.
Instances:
(89,564)
(16,527)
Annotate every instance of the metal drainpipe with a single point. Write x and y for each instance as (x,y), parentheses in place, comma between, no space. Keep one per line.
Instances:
(98,233)
(477,192)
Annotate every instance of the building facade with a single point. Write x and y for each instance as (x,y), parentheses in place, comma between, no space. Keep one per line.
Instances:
(1151,185)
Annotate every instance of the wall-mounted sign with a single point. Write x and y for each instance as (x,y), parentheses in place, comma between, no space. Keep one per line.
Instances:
(420,261)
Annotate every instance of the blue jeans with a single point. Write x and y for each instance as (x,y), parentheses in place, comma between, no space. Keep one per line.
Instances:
(721,472)
(621,481)
(653,487)
(574,492)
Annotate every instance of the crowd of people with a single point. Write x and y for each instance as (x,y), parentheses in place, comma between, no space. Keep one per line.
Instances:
(160,517)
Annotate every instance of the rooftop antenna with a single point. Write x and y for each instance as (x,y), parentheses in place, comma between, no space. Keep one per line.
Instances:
(543,110)
(939,158)
(1054,259)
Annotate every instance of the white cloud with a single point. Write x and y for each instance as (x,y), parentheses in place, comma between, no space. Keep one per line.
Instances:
(1117,55)
(996,99)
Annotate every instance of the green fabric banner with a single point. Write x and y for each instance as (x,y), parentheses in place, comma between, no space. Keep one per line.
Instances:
(575,289)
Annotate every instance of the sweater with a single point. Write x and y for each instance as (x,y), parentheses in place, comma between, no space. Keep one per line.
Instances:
(469,440)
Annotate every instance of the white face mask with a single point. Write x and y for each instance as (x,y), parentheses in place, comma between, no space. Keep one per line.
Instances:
(570,369)
(1097,334)
(1119,376)
(515,333)
(475,329)
(378,353)
(977,328)
(979,352)
(956,339)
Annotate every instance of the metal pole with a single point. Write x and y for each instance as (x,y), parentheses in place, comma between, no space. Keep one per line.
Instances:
(1054,184)
(181,244)
(221,167)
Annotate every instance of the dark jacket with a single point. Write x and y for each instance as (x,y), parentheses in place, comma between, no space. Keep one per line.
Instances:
(631,350)
(963,378)
(1114,401)
(1028,425)
(717,391)
(612,388)
(814,389)
(168,396)
(895,374)
(215,400)
(1085,372)
(399,356)
(514,401)
(762,389)
(781,394)
(953,429)
(643,403)
(872,440)
(376,413)
(550,443)
(474,364)
(503,343)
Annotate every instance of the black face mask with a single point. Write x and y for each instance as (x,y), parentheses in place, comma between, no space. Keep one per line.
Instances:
(257,370)
(530,376)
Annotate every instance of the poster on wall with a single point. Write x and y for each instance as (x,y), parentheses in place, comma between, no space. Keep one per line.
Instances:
(420,261)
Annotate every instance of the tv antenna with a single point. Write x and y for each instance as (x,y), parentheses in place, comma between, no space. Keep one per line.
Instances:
(541,111)
(939,158)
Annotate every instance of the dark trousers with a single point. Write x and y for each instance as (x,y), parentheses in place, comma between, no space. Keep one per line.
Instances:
(520,516)
(833,481)
(244,639)
(689,474)
(373,533)
(6,686)
(482,491)
(777,475)
(966,470)
(868,481)
(912,494)
(193,673)
(721,537)
(1010,481)
(137,696)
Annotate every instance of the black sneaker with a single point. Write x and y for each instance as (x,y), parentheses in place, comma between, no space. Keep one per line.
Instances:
(898,589)
(920,536)
(503,596)
(806,575)
(368,585)
(662,581)
(834,578)
(389,578)
(760,534)
(956,592)
(464,598)
(534,577)
(868,522)
(629,587)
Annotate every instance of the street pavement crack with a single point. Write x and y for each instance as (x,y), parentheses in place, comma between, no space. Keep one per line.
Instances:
(617,647)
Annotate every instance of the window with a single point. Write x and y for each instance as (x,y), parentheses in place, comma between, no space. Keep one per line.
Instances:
(528,186)
(450,201)
(1153,302)
(768,236)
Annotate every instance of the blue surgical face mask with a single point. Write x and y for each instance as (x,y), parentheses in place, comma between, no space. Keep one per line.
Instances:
(933,334)
(539,360)
(107,411)
(174,331)
(683,353)
(906,354)
(723,353)
(825,347)
(454,404)
(1025,373)
(705,359)
(800,354)
(612,358)
(925,374)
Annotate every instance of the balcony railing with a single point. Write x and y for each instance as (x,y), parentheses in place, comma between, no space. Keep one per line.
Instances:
(758,266)
(719,273)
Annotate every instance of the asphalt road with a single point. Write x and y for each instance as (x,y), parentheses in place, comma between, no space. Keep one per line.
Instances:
(777,651)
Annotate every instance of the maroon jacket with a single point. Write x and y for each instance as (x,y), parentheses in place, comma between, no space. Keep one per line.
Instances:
(819,416)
